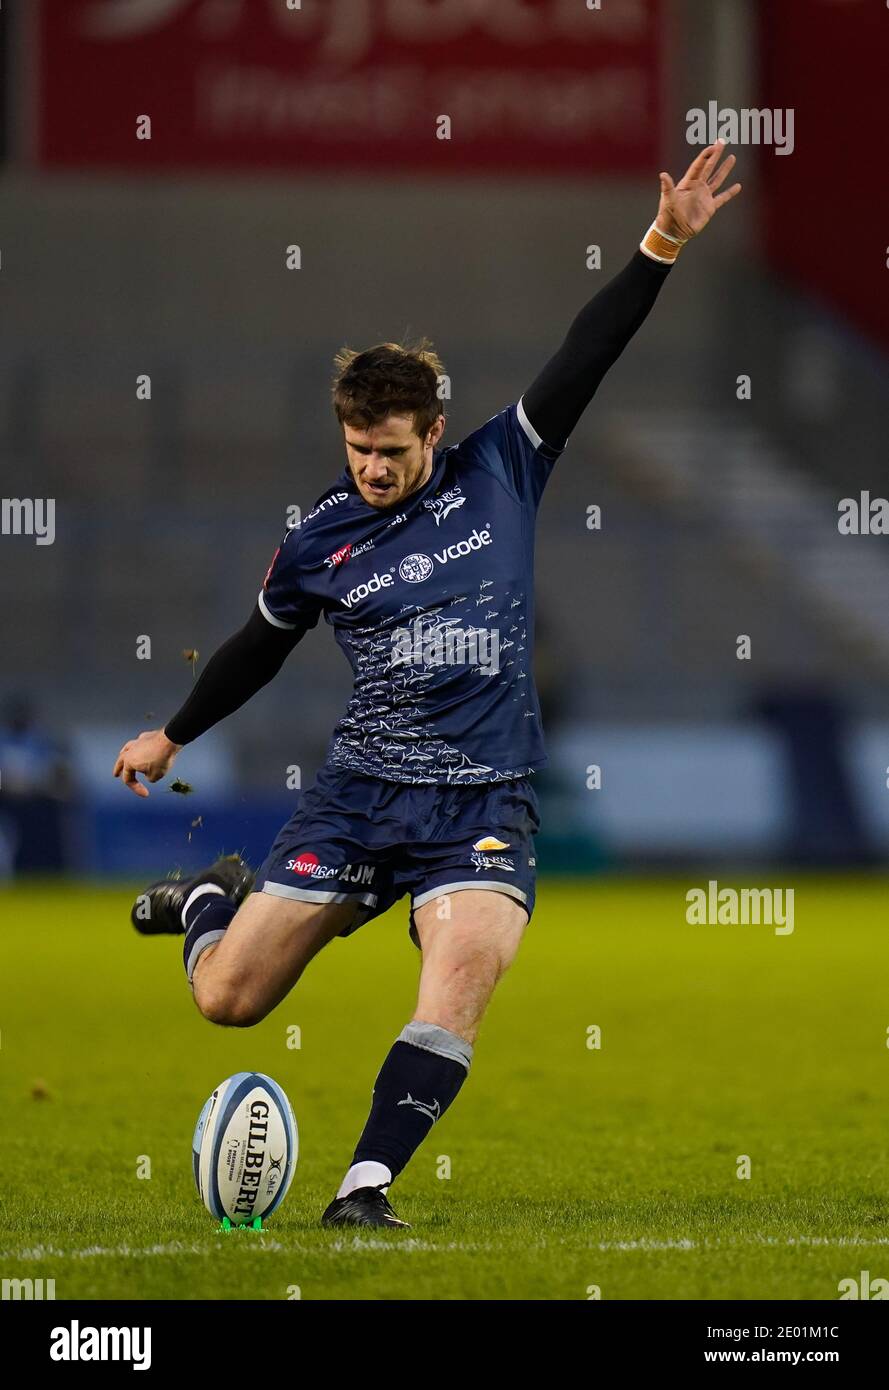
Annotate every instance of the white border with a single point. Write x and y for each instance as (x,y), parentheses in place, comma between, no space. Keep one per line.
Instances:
(317,895)
(527,426)
(270,617)
(493,884)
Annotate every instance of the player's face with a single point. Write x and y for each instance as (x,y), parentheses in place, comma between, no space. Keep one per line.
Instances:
(390,460)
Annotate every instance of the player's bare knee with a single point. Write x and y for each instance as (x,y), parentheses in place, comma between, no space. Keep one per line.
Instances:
(227,1006)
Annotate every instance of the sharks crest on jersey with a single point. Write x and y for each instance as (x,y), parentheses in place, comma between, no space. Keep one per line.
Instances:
(444,504)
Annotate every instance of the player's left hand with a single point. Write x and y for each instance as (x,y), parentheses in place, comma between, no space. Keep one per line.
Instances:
(686,207)
(152,754)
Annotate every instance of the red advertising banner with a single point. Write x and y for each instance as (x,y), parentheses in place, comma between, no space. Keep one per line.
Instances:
(825,205)
(520,86)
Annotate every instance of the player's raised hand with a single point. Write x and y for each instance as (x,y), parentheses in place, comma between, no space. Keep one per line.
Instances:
(686,207)
(151,754)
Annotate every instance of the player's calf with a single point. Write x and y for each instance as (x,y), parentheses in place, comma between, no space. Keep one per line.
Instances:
(464,955)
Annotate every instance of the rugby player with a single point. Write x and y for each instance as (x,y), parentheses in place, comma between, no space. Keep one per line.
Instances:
(420,557)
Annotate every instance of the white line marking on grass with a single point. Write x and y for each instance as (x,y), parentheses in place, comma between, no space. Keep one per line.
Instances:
(415,1245)
(820,1240)
(35,1252)
(91,1252)
(721,1243)
(647,1245)
(411,1245)
(174,1247)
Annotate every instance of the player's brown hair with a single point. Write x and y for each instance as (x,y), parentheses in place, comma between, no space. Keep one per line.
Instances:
(391,378)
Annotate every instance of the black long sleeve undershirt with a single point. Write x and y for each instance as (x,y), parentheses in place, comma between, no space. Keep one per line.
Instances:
(561,392)
(235,672)
(553,404)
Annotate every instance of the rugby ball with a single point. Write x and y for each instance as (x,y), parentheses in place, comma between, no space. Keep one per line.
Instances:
(244,1148)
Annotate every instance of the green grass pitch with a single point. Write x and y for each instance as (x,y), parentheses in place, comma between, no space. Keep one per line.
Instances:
(570,1167)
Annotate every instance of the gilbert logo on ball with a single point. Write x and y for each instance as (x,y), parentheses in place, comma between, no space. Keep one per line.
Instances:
(245,1148)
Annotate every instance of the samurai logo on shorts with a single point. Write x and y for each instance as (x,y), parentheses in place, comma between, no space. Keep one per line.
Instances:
(307,865)
(415,568)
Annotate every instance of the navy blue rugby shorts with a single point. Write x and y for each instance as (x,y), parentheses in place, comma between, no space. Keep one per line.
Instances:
(360,838)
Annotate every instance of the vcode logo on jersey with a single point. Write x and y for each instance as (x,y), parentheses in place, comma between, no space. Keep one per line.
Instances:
(362,591)
(417,567)
(476,541)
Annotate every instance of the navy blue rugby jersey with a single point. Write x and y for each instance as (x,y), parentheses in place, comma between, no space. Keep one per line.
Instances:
(432,604)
